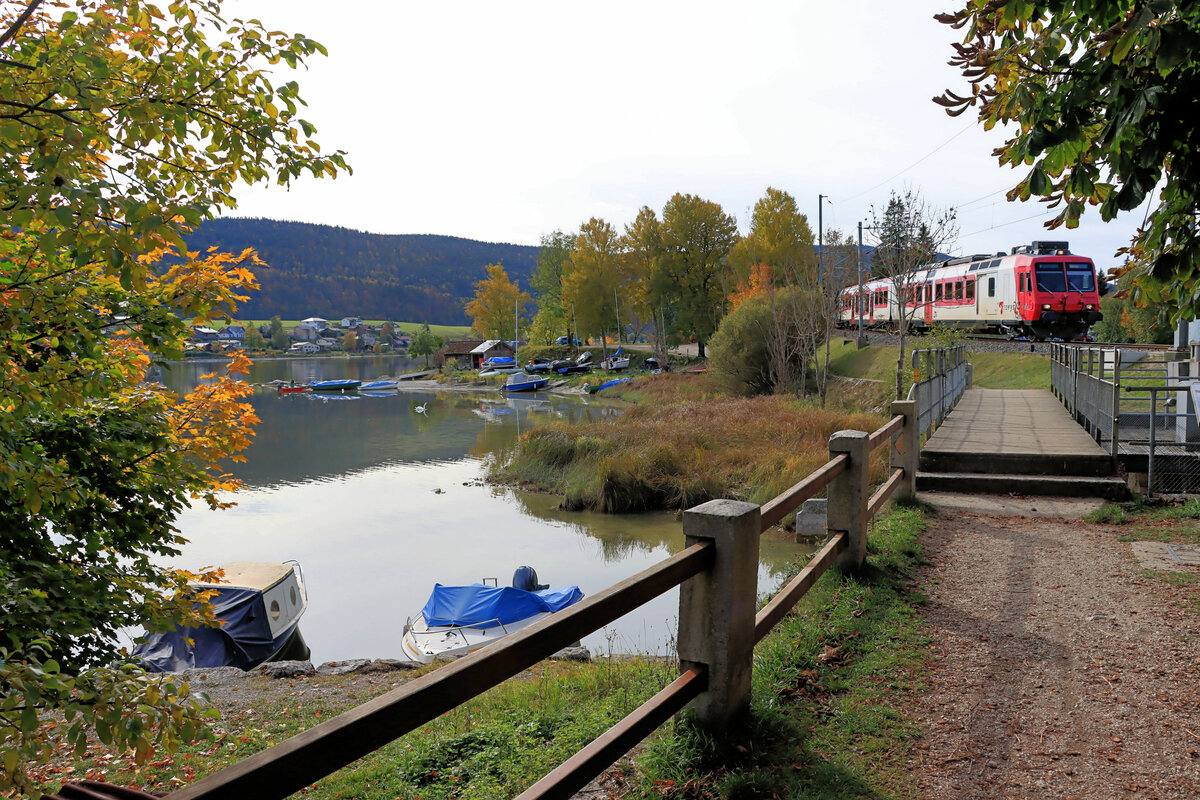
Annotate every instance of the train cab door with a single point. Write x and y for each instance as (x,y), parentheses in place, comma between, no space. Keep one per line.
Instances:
(1025,304)
(928,289)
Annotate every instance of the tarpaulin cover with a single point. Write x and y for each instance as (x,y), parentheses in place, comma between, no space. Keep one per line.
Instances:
(243,641)
(478,604)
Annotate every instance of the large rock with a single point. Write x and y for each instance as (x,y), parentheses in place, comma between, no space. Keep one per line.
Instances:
(287,669)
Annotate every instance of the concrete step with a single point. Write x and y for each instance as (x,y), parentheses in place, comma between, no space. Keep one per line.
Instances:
(1095,464)
(1110,488)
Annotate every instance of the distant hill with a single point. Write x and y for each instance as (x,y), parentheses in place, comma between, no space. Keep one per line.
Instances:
(326,271)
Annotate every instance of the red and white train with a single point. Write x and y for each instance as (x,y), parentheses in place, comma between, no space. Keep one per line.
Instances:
(1040,291)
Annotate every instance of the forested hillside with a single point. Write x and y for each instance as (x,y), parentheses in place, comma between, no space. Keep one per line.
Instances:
(321,270)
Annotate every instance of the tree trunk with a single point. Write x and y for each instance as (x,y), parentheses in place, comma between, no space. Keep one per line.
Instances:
(700,348)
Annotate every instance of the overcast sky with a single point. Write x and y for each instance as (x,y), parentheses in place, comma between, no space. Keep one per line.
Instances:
(505,121)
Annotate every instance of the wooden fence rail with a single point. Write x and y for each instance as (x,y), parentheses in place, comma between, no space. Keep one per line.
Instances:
(718,628)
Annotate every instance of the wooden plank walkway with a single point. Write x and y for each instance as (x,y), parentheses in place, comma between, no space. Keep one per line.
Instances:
(996,440)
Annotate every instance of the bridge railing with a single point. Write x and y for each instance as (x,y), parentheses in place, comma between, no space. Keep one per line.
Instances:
(1142,412)
(940,376)
(718,628)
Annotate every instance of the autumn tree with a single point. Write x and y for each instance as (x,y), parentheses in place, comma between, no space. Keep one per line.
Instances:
(779,237)
(498,302)
(1103,100)
(691,274)
(911,234)
(552,319)
(591,278)
(641,247)
(122,126)
(254,339)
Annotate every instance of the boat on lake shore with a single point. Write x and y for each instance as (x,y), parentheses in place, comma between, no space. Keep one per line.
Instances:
(520,382)
(378,386)
(259,606)
(616,362)
(340,385)
(457,620)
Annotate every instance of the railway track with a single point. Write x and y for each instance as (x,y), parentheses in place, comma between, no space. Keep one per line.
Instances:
(991,337)
(1000,344)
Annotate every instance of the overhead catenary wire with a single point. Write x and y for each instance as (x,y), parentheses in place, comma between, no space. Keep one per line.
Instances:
(970,125)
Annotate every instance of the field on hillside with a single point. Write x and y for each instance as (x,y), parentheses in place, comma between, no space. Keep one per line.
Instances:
(445,331)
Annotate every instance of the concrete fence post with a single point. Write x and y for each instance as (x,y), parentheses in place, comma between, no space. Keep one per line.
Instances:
(906,448)
(716,609)
(848,495)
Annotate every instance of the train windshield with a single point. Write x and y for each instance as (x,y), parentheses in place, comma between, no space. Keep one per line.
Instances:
(1081,278)
(1050,277)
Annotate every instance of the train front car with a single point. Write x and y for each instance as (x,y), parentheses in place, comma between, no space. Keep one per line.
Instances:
(1058,295)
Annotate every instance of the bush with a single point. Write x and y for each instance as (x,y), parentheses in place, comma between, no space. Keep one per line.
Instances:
(737,352)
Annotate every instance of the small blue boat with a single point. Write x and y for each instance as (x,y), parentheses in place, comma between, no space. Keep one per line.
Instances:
(606,384)
(378,386)
(341,385)
(520,382)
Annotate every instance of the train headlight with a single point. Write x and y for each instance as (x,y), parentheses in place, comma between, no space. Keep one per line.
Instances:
(1089,307)
(1045,306)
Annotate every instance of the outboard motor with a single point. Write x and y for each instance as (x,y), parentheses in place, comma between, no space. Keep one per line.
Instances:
(527,578)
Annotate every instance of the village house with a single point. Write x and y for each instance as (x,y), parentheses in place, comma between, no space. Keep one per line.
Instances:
(470,353)
(203,335)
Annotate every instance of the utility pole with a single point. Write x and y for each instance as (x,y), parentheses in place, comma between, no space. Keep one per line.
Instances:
(858,301)
(820,239)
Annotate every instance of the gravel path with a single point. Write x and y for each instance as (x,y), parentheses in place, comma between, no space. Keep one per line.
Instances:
(1062,669)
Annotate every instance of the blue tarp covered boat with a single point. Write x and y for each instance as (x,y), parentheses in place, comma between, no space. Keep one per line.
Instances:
(459,619)
(259,606)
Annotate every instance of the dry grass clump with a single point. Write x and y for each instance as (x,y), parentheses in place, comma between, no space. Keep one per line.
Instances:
(677,454)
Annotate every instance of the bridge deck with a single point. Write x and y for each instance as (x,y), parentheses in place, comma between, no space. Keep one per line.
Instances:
(1021,431)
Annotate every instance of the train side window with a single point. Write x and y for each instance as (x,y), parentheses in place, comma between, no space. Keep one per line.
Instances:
(958,291)
(991,287)
(937,293)
(970,290)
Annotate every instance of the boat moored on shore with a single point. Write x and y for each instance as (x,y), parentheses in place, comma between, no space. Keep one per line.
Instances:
(259,606)
(457,620)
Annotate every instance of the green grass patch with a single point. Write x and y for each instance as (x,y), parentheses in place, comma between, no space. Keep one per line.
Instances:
(989,370)
(872,363)
(1010,370)
(491,746)
(830,686)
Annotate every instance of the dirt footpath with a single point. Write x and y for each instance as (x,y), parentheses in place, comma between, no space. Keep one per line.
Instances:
(1062,668)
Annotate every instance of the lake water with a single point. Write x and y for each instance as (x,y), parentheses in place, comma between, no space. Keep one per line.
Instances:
(378,501)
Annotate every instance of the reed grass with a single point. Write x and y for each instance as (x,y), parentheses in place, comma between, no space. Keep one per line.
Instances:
(677,452)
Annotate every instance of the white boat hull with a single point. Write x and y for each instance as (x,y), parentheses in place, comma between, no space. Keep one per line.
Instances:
(422,643)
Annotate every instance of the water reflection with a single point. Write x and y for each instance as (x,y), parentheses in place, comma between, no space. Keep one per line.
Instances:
(378,500)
